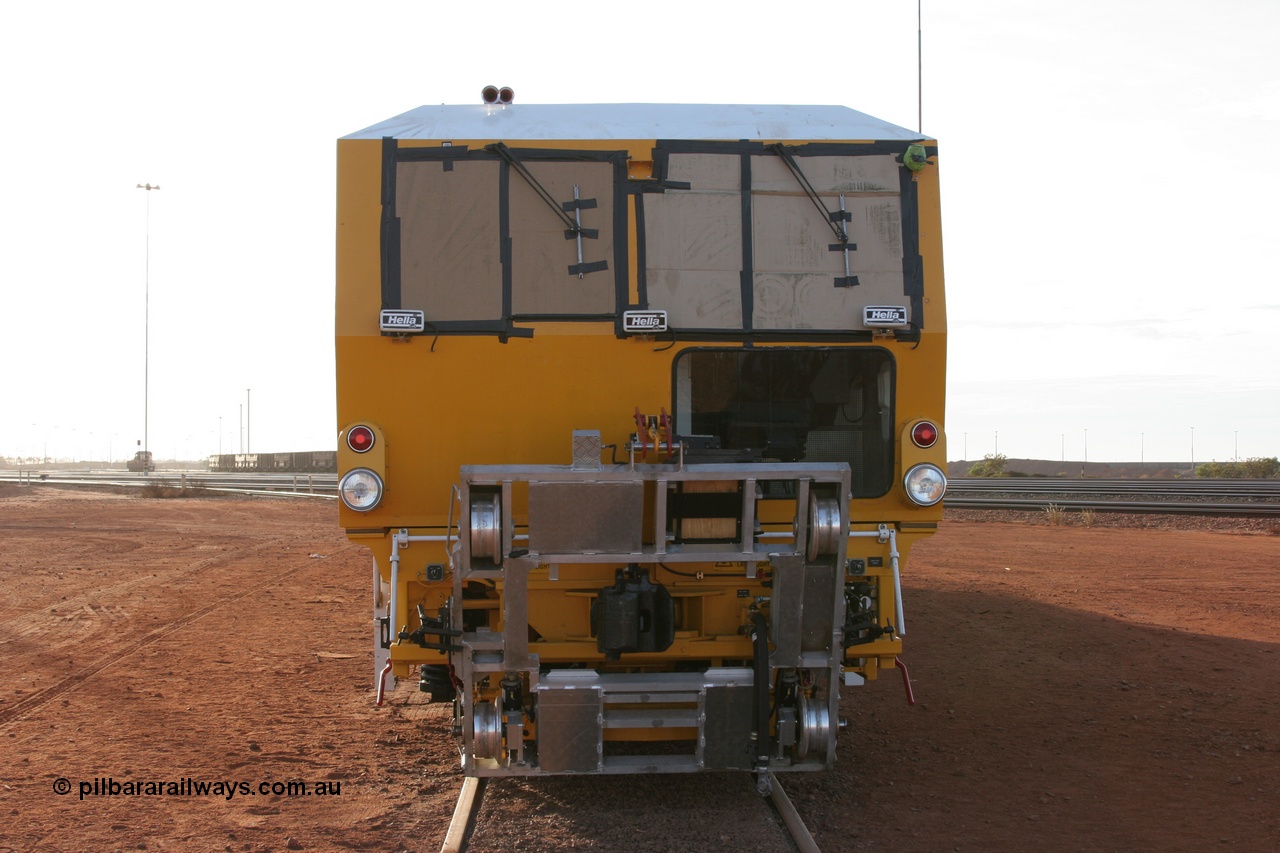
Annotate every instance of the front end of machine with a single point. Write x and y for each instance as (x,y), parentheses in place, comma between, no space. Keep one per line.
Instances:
(639,429)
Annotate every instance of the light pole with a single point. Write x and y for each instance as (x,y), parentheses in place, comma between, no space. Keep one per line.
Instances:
(1193,451)
(146,336)
(919,68)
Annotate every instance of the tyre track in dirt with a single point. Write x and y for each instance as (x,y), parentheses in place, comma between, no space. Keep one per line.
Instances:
(98,544)
(109,600)
(24,706)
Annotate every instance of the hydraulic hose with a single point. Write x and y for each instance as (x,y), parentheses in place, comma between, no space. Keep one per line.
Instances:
(761,716)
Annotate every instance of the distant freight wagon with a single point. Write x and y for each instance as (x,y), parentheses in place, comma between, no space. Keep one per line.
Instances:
(311,461)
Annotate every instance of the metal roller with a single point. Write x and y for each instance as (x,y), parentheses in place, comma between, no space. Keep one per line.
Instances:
(487,730)
(815,727)
(486,528)
(825,534)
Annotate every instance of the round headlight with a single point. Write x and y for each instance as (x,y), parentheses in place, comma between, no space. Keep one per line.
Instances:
(925,484)
(360,489)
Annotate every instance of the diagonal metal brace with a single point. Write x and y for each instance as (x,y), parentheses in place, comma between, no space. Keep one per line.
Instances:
(506,154)
(574,230)
(837,220)
(831,217)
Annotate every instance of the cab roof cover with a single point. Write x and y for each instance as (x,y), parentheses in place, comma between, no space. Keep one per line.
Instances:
(635,121)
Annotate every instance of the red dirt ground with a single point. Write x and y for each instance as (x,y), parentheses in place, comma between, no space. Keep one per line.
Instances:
(1102,687)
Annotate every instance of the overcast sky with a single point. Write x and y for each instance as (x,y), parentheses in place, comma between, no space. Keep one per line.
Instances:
(1109,198)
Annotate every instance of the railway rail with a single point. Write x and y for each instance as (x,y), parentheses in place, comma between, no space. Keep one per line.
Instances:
(1242,498)
(301,484)
(1056,485)
(473,788)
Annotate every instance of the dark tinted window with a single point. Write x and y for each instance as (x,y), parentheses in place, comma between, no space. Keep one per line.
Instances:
(794,405)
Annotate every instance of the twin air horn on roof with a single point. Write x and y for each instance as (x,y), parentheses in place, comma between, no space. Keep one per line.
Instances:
(494,95)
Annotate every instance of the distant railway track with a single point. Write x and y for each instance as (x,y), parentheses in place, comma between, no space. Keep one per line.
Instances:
(1245,498)
(1055,485)
(305,485)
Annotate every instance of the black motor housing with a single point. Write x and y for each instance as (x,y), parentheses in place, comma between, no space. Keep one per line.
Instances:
(633,615)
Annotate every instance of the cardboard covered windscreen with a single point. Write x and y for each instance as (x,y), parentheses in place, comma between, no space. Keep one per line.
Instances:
(480,241)
(450,261)
(734,239)
(771,258)
(542,252)
(693,244)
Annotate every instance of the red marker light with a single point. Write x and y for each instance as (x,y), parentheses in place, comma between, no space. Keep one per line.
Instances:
(924,434)
(360,439)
